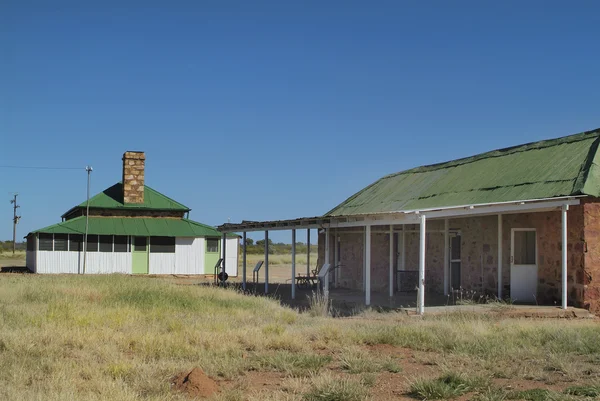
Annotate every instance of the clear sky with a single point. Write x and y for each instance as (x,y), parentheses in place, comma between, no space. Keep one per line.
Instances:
(268,110)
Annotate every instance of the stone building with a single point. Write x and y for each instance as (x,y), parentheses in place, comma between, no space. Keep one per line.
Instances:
(131,229)
(520,223)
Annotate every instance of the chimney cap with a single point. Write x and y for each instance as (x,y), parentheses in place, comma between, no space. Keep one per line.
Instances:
(134,154)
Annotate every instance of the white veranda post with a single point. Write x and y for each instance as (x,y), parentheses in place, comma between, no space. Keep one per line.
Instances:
(391,265)
(266,262)
(564,255)
(421,300)
(244,262)
(293,263)
(500,256)
(446,255)
(368,265)
(326,277)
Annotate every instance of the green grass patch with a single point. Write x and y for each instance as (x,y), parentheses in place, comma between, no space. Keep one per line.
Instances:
(535,394)
(331,388)
(360,361)
(448,386)
(591,390)
(292,364)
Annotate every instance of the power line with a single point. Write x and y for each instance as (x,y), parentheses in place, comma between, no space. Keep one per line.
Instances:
(43,167)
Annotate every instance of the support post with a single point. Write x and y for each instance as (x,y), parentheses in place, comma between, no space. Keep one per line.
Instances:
(244,262)
(224,248)
(564,210)
(266,262)
(391,260)
(307,252)
(446,256)
(327,260)
(368,265)
(293,263)
(336,259)
(421,301)
(403,254)
(500,235)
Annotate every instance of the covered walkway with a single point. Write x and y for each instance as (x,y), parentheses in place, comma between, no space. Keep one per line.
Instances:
(391,223)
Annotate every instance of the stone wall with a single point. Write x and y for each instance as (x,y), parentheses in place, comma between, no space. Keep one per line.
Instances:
(128,213)
(588,278)
(133,177)
(479,254)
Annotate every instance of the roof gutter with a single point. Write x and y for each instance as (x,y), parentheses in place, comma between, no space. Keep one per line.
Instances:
(406,216)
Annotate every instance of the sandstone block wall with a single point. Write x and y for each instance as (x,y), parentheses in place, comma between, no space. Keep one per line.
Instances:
(133,177)
(479,254)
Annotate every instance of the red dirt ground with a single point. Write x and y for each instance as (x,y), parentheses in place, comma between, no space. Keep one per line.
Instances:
(195,383)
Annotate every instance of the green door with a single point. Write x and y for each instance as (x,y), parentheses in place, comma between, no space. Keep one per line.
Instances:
(211,255)
(139,251)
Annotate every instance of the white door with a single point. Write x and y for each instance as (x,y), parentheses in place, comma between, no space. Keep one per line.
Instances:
(523,265)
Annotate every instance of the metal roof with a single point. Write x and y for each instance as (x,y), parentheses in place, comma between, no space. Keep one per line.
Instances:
(143,227)
(112,198)
(567,166)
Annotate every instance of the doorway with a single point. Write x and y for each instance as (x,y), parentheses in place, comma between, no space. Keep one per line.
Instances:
(139,254)
(523,265)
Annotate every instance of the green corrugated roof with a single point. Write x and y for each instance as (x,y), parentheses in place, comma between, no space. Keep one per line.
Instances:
(564,166)
(112,198)
(143,227)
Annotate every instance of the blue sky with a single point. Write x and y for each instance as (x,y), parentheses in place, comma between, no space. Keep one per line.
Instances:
(276,110)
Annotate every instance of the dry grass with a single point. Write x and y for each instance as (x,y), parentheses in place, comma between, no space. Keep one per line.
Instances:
(8,255)
(122,338)
(281,260)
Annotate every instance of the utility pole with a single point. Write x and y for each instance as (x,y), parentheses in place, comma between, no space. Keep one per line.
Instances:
(88,169)
(15,220)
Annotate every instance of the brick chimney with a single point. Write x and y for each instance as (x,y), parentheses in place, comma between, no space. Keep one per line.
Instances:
(133,177)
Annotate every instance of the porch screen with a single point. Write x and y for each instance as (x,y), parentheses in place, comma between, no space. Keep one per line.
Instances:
(524,248)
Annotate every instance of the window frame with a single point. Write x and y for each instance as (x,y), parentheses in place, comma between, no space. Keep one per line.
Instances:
(117,246)
(162,247)
(218,245)
(67,242)
(512,247)
(100,243)
(41,240)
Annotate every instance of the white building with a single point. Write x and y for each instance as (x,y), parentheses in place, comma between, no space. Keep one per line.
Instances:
(132,229)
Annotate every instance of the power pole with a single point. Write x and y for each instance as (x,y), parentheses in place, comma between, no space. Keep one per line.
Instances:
(88,169)
(15,220)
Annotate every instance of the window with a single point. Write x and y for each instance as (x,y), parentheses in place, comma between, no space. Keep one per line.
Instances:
(212,245)
(120,243)
(524,248)
(45,243)
(162,244)
(76,242)
(140,244)
(31,243)
(92,243)
(106,242)
(61,242)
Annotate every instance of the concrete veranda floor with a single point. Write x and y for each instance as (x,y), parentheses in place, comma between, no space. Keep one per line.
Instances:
(346,302)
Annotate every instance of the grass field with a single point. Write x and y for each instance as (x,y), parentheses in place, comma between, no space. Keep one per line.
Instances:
(123,338)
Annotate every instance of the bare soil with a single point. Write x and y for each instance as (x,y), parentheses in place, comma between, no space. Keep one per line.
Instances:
(195,384)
